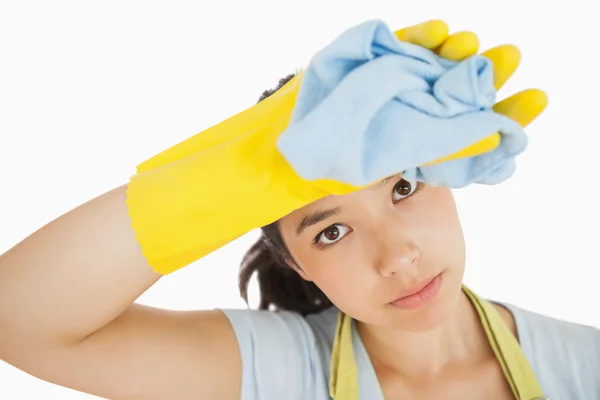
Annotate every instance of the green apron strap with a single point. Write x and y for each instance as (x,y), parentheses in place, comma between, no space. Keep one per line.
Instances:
(515,365)
(343,382)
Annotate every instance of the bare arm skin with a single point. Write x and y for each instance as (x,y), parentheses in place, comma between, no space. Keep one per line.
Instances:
(67,315)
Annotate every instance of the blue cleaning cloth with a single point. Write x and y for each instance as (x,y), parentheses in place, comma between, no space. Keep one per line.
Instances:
(370,106)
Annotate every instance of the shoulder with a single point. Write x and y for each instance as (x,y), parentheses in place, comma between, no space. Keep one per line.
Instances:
(283,353)
(535,331)
(564,355)
(316,328)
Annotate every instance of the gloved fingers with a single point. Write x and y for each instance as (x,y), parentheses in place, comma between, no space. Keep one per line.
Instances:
(462,45)
(524,106)
(429,34)
(459,46)
(434,36)
(506,59)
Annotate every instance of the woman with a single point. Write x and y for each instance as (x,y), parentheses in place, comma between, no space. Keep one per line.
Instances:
(391,256)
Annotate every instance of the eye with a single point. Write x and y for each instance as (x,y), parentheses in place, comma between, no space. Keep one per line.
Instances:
(331,234)
(403,189)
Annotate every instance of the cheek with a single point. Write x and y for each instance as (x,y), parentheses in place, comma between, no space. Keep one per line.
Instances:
(334,268)
(348,287)
(438,210)
(439,225)
(341,273)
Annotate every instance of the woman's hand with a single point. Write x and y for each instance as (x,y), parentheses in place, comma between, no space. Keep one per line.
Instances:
(522,107)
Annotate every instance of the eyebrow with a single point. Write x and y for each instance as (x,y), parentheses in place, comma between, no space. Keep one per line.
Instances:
(382,182)
(316,217)
(321,215)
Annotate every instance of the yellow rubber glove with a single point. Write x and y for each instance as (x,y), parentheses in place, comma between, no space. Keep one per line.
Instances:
(210,189)
(522,107)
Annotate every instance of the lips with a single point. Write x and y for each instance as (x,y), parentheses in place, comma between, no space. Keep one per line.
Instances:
(419,295)
(416,288)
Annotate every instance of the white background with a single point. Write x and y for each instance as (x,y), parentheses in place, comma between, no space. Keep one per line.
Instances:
(90,89)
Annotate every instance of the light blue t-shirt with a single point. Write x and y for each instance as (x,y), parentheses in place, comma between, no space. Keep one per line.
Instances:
(287,356)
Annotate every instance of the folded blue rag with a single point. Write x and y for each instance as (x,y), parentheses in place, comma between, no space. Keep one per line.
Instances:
(371,106)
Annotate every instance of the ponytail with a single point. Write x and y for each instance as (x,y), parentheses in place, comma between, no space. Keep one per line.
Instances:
(281,288)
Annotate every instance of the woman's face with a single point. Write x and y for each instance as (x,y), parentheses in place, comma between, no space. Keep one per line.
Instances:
(367,249)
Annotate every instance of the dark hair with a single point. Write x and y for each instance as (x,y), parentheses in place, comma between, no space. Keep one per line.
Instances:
(281,288)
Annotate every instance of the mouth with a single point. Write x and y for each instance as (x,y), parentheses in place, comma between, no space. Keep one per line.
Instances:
(419,295)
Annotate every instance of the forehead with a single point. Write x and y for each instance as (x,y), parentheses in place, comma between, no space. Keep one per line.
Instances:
(334,205)
(327,202)
(350,199)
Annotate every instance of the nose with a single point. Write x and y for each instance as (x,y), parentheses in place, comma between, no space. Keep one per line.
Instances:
(397,253)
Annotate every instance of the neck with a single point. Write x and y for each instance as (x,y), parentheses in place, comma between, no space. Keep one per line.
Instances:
(425,355)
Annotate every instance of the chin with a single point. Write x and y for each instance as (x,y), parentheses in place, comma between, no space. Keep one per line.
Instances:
(429,318)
